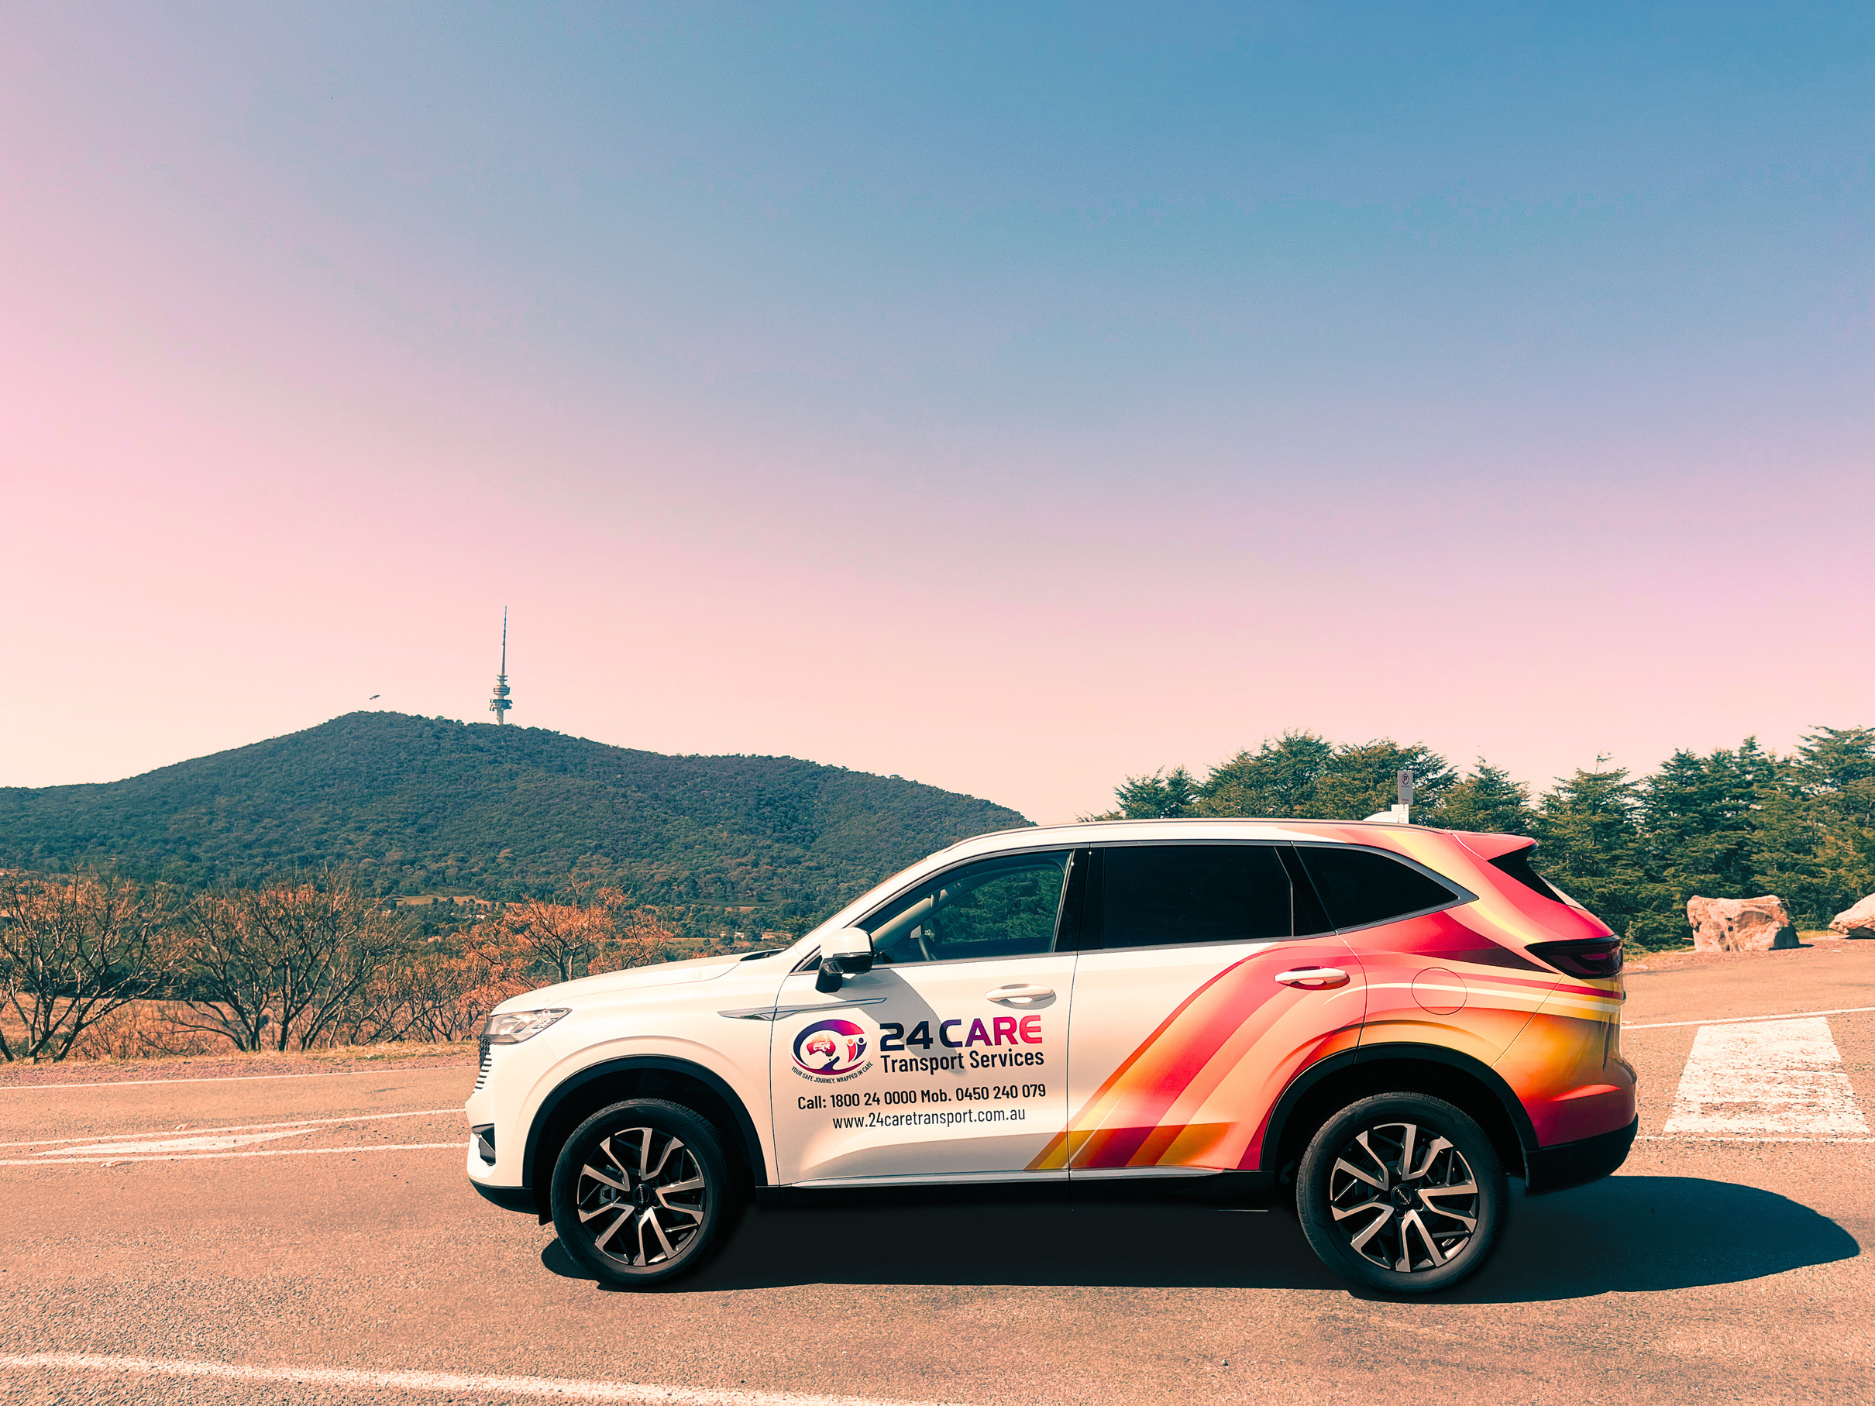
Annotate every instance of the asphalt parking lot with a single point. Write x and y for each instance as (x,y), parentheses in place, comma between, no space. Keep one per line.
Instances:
(321,1225)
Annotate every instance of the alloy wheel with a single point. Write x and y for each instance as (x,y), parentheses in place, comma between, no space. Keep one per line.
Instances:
(1404,1196)
(642,1197)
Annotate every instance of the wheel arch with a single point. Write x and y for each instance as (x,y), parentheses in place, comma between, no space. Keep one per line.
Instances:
(648,1076)
(1333,1083)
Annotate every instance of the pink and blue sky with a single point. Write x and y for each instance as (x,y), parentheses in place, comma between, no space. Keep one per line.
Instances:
(1008,397)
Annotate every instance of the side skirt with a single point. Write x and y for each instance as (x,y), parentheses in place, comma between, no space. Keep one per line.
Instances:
(1225,1190)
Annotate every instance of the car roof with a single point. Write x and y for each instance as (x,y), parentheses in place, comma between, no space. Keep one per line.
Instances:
(1087,832)
(1197,828)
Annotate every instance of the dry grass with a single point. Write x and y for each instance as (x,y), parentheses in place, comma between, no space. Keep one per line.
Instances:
(140,1030)
(146,1030)
(337,1059)
(153,1030)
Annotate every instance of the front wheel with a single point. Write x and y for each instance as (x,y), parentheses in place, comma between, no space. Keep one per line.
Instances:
(1402,1193)
(641,1193)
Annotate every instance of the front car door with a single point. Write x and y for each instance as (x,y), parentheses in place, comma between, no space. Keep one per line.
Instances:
(1207,979)
(947,1061)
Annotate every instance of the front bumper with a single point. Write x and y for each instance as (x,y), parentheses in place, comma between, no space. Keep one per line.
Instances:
(1577,1163)
(498,1112)
(510,1198)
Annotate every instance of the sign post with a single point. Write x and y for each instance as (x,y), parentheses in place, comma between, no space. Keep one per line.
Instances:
(1397,814)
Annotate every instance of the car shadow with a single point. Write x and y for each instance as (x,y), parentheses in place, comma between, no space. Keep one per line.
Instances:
(1636,1234)
(1647,1234)
(996,1243)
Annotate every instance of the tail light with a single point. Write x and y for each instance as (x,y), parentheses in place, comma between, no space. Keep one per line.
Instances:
(1590,957)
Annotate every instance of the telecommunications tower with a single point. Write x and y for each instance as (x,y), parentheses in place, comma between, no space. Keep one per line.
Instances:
(499,704)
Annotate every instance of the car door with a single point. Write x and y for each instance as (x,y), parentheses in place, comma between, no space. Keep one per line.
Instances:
(1432,978)
(1206,981)
(947,1060)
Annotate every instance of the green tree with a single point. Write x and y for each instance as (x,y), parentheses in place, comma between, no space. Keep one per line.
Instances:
(1304,776)
(1700,818)
(1587,828)
(1277,779)
(1799,856)
(1165,795)
(1833,839)
(1840,762)
(1487,801)
(1363,779)
(1731,823)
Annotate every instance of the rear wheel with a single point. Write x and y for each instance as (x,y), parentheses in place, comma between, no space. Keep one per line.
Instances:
(641,1193)
(1403,1193)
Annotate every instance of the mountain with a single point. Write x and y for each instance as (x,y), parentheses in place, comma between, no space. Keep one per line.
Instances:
(428,805)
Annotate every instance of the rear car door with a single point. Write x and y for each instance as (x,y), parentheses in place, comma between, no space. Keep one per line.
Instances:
(1206,980)
(1432,977)
(947,1059)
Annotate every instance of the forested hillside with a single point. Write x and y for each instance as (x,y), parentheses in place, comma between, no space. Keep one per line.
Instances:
(428,805)
(1733,823)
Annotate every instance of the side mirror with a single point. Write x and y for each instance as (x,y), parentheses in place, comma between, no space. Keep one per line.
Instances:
(843,953)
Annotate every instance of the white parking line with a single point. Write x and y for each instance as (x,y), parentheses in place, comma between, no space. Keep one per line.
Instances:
(193,1143)
(563,1388)
(242,1127)
(1743,1019)
(1781,1078)
(107,1161)
(1682,1137)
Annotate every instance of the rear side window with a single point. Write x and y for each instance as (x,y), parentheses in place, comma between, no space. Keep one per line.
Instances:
(1362,886)
(1519,868)
(1159,895)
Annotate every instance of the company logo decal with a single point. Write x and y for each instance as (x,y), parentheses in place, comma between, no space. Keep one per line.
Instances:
(832,1049)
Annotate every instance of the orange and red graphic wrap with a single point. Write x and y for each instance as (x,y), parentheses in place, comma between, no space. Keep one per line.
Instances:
(1198,1091)
(1193,1093)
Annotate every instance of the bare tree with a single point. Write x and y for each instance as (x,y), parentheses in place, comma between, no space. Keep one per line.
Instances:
(438,989)
(564,936)
(640,936)
(279,965)
(73,950)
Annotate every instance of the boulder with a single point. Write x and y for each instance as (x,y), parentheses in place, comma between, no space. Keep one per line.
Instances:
(1739,924)
(1856,921)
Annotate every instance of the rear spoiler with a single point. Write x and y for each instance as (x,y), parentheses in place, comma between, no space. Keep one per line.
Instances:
(1489,847)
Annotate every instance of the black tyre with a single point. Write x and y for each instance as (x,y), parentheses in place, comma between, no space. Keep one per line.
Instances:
(1402,1193)
(642,1193)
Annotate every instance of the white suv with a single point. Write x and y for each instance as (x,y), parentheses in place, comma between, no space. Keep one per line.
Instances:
(1380,1021)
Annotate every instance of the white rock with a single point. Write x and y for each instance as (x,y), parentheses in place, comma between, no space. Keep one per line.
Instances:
(1856,921)
(1739,924)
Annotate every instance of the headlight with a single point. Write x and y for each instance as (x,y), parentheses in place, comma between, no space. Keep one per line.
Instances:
(516,1026)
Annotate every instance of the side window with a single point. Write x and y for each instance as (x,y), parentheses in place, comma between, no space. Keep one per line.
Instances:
(1519,868)
(1361,886)
(1003,907)
(1159,895)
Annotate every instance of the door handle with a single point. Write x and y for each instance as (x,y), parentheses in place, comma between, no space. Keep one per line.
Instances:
(1313,978)
(1021,995)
